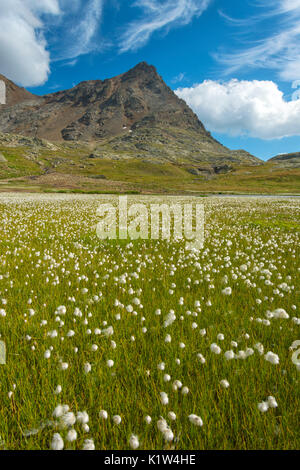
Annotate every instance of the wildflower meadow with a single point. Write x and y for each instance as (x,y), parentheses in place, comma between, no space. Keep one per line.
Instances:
(142,344)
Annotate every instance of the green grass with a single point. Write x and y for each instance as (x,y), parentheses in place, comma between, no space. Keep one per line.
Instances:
(134,174)
(48,242)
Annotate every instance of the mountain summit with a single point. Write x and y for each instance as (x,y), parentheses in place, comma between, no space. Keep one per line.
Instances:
(135,112)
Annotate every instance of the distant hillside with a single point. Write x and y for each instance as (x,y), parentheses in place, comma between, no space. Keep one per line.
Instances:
(133,115)
(288,160)
(33,164)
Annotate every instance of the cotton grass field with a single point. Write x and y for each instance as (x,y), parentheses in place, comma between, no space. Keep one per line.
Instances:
(144,345)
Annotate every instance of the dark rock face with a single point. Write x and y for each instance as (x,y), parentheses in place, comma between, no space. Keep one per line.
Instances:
(136,109)
(98,109)
(211,170)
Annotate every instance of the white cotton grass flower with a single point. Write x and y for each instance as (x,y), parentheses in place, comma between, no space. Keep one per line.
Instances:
(280,313)
(103,414)
(196,420)
(57,442)
(260,348)
(241,355)
(263,406)
(88,445)
(163,427)
(185,390)
(117,419)
(201,358)
(134,442)
(82,417)
(224,383)
(172,416)
(294,345)
(64,365)
(164,398)
(227,291)
(147,419)
(161,366)
(272,402)
(177,385)
(110,363)
(215,348)
(58,390)
(249,352)
(272,358)
(61,310)
(59,411)
(52,334)
(169,319)
(67,419)
(229,355)
(87,367)
(71,435)
(108,331)
(167,378)
(168,435)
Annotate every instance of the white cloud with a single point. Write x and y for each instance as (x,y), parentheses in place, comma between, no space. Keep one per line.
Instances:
(278,50)
(25,26)
(80,39)
(253,108)
(23,54)
(158,15)
(179,78)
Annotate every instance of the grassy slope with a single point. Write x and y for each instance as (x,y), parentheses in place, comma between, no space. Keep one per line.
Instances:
(132,174)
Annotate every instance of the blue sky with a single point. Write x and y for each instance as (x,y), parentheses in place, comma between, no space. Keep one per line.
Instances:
(235,62)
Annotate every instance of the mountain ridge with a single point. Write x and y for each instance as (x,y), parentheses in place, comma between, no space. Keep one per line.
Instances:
(134,113)
(287,160)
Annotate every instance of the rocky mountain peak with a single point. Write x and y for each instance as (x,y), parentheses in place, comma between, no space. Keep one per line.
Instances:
(136,108)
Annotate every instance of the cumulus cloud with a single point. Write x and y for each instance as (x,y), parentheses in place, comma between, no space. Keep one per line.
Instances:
(253,108)
(23,50)
(277,50)
(30,28)
(159,15)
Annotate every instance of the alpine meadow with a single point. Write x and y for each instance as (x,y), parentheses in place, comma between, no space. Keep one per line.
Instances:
(150,231)
(204,344)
